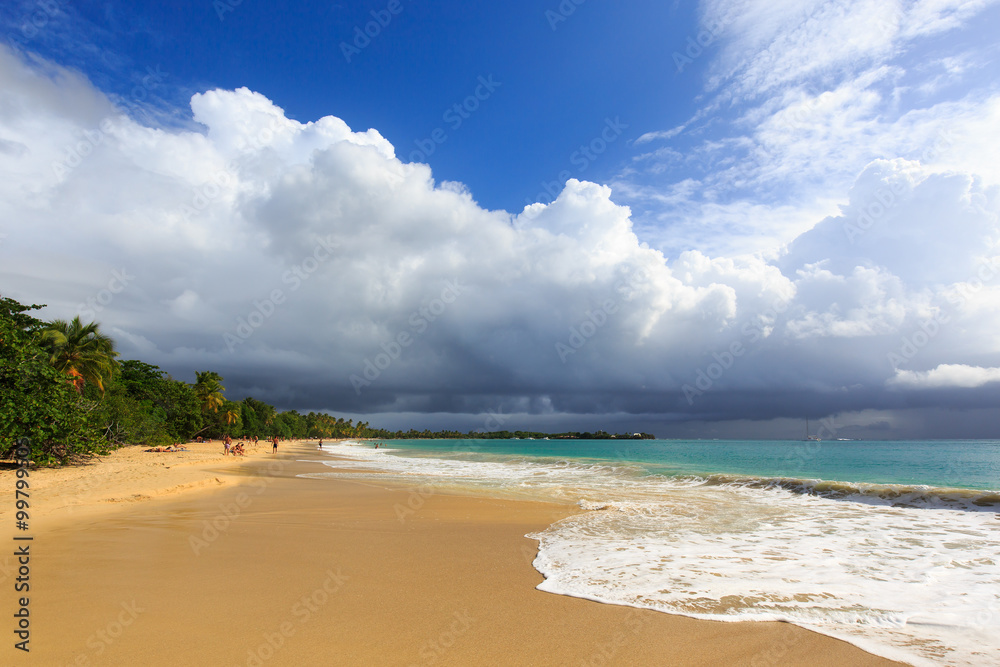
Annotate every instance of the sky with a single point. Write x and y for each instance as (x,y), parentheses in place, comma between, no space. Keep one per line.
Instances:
(711,219)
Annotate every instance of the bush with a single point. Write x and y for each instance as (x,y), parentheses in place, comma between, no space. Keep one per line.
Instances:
(36,401)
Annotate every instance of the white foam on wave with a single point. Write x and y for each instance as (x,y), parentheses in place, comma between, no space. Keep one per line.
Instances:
(915,584)
(558,480)
(923,582)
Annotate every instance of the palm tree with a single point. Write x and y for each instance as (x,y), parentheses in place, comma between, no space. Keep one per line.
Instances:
(208,387)
(81,351)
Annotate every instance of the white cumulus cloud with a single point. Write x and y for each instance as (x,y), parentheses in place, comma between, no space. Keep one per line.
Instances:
(312,268)
(945,375)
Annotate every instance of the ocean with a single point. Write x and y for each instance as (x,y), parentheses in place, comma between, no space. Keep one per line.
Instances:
(892,546)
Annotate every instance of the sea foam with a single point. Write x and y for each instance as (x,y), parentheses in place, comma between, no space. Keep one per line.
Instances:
(910,573)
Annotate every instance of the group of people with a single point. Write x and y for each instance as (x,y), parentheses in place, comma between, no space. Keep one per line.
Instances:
(237,449)
(229,448)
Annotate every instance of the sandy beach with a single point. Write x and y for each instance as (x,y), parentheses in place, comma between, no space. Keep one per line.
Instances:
(198,559)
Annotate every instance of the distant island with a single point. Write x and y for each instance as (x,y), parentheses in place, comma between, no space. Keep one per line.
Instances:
(516,435)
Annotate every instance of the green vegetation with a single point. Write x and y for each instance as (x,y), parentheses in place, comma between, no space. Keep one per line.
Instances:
(37,400)
(63,388)
(80,351)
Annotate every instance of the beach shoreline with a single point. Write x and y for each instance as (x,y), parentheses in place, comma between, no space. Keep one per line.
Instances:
(203,559)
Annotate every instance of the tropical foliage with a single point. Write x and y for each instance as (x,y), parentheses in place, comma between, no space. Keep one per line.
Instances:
(36,401)
(208,387)
(81,351)
(63,388)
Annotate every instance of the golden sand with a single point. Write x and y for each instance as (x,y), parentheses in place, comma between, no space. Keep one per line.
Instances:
(199,559)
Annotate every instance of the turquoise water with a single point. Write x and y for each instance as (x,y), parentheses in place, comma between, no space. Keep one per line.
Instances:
(890,545)
(964,464)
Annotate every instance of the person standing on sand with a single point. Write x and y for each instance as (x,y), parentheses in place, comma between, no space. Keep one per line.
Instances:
(274,449)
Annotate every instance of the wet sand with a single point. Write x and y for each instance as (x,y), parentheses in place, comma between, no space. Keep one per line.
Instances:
(264,568)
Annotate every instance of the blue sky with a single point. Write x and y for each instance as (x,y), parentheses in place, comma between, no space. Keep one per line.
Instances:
(557,85)
(615,196)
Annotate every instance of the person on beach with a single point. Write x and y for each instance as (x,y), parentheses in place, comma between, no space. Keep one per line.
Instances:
(274,449)
(321,444)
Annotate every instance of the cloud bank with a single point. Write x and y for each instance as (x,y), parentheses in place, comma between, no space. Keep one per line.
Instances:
(314,269)
(798,98)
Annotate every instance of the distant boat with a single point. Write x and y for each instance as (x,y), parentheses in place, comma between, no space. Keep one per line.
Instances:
(811,438)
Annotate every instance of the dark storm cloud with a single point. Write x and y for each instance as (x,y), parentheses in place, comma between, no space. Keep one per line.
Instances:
(314,270)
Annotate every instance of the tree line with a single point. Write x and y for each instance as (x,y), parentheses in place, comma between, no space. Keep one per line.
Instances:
(64,389)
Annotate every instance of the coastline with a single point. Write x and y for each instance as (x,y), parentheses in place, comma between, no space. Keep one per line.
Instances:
(262,567)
